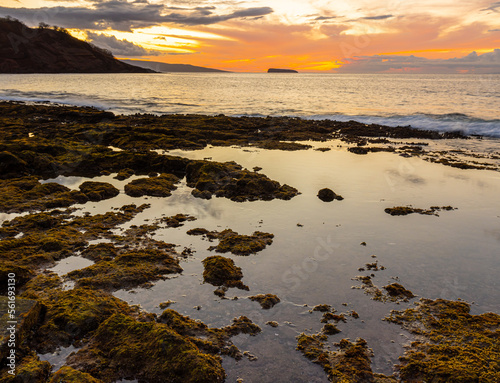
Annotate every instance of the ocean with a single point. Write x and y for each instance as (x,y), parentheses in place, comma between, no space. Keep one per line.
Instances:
(467,103)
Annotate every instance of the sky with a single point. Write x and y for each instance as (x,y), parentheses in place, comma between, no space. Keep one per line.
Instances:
(357,36)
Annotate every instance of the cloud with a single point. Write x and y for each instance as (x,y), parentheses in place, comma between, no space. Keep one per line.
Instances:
(381,17)
(472,63)
(119,47)
(320,18)
(494,30)
(493,7)
(123,16)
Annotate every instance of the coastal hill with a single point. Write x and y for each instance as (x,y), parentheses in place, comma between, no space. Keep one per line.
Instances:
(277,70)
(53,50)
(164,67)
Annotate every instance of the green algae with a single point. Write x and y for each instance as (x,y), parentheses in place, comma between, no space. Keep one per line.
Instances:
(127,270)
(231,241)
(98,191)
(28,194)
(453,346)
(396,290)
(405,210)
(330,329)
(266,301)
(72,315)
(221,271)
(229,180)
(349,364)
(67,374)
(322,308)
(177,220)
(123,347)
(28,369)
(159,186)
(123,174)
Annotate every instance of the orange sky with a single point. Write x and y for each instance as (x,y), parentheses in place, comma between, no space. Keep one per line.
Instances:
(311,35)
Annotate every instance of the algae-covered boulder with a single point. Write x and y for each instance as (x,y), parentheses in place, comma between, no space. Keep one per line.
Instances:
(29,369)
(127,270)
(123,347)
(160,186)
(398,291)
(231,241)
(67,374)
(266,300)
(454,346)
(222,271)
(123,174)
(98,191)
(73,314)
(28,194)
(230,180)
(351,363)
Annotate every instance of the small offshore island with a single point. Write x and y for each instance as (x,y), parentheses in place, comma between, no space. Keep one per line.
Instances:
(113,340)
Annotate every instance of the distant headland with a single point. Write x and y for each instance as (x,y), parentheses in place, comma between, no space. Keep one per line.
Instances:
(53,50)
(278,70)
(165,67)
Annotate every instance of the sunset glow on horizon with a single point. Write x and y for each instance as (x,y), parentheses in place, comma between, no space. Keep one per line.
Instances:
(309,36)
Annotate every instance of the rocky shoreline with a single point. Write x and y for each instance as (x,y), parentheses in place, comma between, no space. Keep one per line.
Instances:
(116,340)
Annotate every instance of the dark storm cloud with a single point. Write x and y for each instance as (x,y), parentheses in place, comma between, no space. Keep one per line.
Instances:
(124,16)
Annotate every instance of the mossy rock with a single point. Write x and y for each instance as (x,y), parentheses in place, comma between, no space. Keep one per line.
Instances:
(29,369)
(127,270)
(160,186)
(123,347)
(98,191)
(266,301)
(28,194)
(398,291)
(351,363)
(71,315)
(231,241)
(230,180)
(100,252)
(177,220)
(67,374)
(123,174)
(219,270)
(330,329)
(455,346)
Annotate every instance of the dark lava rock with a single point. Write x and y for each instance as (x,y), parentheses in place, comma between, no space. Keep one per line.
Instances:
(328,195)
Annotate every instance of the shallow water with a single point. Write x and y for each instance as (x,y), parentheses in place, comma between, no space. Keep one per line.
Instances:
(440,102)
(451,256)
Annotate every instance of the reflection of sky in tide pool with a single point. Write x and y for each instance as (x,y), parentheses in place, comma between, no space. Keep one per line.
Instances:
(451,256)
